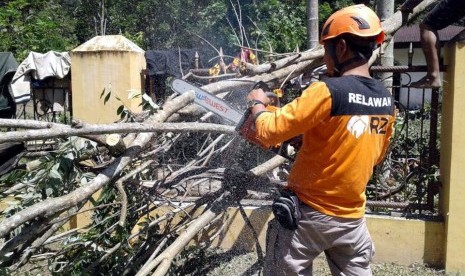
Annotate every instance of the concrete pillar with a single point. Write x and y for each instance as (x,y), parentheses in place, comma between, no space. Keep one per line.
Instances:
(109,63)
(452,164)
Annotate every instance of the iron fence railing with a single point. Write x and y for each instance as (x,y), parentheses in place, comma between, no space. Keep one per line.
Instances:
(407,180)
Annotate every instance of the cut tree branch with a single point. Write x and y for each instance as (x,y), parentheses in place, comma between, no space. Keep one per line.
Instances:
(63,131)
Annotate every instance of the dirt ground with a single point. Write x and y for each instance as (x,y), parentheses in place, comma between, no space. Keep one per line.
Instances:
(244,264)
(219,263)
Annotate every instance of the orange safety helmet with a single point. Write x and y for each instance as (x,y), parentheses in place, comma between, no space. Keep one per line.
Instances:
(358,20)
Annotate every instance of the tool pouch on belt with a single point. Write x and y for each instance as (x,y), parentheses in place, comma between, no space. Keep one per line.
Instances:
(286,209)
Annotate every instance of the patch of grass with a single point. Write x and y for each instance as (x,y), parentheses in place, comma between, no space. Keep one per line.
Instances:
(412,270)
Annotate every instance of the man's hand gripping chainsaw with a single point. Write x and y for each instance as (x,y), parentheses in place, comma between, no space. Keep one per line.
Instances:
(247,130)
(245,123)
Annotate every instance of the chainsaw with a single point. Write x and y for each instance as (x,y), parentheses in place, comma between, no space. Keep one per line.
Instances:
(244,121)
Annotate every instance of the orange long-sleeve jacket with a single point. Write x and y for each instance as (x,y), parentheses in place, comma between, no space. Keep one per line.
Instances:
(346,124)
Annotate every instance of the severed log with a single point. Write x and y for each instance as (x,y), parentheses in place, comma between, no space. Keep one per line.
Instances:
(63,131)
(27,124)
(252,69)
(115,144)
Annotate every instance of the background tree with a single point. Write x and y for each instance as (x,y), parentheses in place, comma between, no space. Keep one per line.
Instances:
(39,26)
(312,23)
(61,25)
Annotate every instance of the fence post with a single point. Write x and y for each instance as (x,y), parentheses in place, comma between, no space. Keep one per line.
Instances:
(452,163)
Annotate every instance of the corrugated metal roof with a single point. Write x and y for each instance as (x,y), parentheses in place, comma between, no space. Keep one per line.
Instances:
(108,43)
(412,33)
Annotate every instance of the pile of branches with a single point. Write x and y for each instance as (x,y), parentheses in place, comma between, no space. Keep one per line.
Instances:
(143,180)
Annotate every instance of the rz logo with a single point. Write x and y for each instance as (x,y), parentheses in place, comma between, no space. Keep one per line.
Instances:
(378,125)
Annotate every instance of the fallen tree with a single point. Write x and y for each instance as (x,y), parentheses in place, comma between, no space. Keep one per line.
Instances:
(125,199)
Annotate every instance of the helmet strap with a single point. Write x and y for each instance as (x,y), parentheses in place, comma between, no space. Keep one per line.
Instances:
(357,58)
(339,66)
(332,53)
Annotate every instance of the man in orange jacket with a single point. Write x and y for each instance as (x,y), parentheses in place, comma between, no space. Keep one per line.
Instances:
(346,122)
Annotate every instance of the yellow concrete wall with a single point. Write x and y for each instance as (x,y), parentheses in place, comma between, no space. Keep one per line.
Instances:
(407,241)
(399,240)
(452,164)
(84,216)
(238,235)
(115,71)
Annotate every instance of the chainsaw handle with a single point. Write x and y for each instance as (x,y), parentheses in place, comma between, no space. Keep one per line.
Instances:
(274,99)
(262,85)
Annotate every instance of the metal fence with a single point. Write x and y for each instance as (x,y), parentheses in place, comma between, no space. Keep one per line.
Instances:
(408,179)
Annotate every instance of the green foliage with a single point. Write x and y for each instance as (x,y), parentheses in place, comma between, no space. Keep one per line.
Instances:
(84,249)
(327,7)
(84,253)
(61,25)
(148,106)
(56,175)
(283,26)
(35,25)
(166,24)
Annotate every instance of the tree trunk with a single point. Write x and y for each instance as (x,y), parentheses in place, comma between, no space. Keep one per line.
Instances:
(385,9)
(312,24)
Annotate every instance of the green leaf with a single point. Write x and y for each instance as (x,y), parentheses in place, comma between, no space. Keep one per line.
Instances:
(123,114)
(54,173)
(107,97)
(120,109)
(66,164)
(49,192)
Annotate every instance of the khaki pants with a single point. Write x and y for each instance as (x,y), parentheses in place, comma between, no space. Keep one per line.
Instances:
(346,243)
